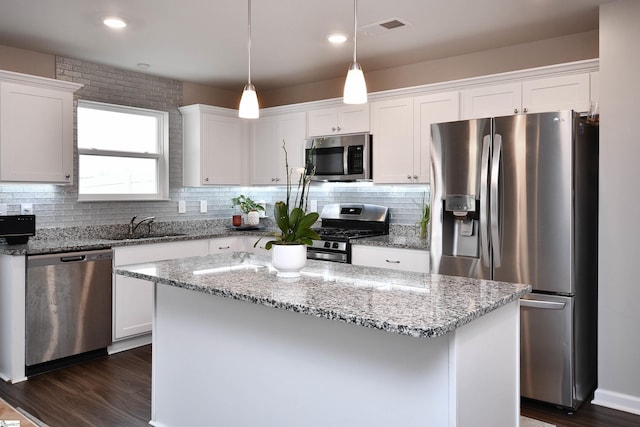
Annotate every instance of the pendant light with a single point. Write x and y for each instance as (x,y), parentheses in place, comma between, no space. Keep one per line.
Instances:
(355,88)
(249,102)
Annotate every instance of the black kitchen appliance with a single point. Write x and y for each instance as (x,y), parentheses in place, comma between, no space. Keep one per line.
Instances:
(343,223)
(16,229)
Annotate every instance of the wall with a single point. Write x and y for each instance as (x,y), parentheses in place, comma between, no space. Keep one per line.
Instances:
(619,287)
(556,50)
(27,62)
(57,206)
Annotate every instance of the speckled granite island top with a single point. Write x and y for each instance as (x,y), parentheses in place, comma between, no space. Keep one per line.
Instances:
(413,304)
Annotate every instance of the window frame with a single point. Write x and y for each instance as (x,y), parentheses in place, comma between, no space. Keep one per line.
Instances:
(162,156)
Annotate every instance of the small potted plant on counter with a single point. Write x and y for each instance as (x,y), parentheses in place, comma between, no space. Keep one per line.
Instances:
(425,217)
(289,245)
(249,207)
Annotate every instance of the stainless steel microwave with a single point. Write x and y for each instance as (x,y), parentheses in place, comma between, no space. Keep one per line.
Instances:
(339,157)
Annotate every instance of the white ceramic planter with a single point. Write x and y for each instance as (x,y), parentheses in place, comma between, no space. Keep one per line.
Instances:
(253,218)
(288,259)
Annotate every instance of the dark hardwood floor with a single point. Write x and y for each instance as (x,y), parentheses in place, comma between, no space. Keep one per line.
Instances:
(115,391)
(111,391)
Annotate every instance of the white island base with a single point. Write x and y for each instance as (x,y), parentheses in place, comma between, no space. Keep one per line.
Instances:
(223,362)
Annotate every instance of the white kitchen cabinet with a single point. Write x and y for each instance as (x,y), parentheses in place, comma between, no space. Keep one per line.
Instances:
(267,156)
(213,148)
(570,92)
(488,101)
(36,129)
(339,120)
(530,96)
(402,135)
(392,258)
(133,298)
(226,244)
(392,130)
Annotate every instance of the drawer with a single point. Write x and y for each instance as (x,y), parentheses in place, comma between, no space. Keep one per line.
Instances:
(391,258)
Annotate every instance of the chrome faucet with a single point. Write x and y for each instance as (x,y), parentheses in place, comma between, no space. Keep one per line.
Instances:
(133,226)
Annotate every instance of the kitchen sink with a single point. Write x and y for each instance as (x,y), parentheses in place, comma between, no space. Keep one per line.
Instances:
(143,236)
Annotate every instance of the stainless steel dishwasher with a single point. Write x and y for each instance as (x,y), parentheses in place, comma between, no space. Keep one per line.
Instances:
(68,308)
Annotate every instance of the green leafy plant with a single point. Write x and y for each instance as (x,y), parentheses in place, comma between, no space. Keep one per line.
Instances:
(294,224)
(246,204)
(425,216)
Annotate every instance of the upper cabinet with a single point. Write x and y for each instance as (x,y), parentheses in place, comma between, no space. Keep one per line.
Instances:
(267,156)
(212,146)
(531,96)
(339,120)
(401,131)
(36,129)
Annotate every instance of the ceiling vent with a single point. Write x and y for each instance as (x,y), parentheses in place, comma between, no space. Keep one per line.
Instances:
(382,27)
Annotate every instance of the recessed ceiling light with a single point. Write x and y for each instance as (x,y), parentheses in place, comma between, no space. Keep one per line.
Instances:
(337,38)
(113,22)
(143,66)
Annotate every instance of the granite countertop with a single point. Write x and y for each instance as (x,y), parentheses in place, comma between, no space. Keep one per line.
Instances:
(71,242)
(84,239)
(413,304)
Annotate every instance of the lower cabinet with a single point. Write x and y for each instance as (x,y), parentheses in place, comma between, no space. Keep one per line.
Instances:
(392,258)
(133,298)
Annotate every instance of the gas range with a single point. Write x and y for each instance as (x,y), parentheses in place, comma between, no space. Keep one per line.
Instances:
(341,224)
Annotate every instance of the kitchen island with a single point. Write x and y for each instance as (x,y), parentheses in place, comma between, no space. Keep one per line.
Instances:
(342,345)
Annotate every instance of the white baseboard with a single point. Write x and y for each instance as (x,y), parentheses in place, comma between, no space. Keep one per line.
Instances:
(128,344)
(618,401)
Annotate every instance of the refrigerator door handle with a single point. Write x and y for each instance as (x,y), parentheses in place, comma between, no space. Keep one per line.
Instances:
(548,305)
(484,193)
(494,201)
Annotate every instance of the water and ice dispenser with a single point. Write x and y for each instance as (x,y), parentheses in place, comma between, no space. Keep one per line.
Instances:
(460,226)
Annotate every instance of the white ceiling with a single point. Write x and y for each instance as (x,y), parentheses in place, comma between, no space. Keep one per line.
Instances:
(205,41)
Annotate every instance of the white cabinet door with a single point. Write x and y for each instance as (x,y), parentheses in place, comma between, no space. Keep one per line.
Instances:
(391,258)
(429,109)
(225,244)
(133,298)
(267,156)
(556,93)
(212,146)
(339,120)
(36,134)
(490,101)
(221,150)
(263,151)
(392,130)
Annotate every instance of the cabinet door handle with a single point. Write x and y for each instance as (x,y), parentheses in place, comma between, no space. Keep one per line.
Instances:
(408,176)
(390,261)
(223,247)
(333,129)
(206,180)
(515,110)
(273,179)
(339,128)
(526,110)
(67,176)
(415,176)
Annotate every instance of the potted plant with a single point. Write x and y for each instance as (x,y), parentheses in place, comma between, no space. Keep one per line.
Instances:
(289,244)
(425,216)
(249,207)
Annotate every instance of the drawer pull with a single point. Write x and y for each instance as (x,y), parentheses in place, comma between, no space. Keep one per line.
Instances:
(223,247)
(393,261)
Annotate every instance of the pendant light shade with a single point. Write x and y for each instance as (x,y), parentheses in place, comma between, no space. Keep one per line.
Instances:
(249,108)
(355,88)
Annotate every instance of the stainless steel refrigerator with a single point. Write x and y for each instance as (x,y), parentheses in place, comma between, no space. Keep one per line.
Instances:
(516,199)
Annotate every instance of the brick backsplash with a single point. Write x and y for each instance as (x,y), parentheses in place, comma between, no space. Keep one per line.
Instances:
(57,206)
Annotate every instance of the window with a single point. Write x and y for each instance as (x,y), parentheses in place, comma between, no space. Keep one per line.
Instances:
(123,152)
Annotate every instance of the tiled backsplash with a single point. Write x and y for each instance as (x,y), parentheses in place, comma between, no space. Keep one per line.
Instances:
(57,206)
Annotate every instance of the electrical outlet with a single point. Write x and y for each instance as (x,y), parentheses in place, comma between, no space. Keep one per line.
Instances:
(203,206)
(182,206)
(26,209)
(3,209)
(313,205)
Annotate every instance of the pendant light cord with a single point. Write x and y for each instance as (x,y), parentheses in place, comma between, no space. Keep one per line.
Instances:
(355,28)
(249,42)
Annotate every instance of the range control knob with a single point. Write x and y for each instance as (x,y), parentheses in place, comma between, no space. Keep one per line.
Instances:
(327,244)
